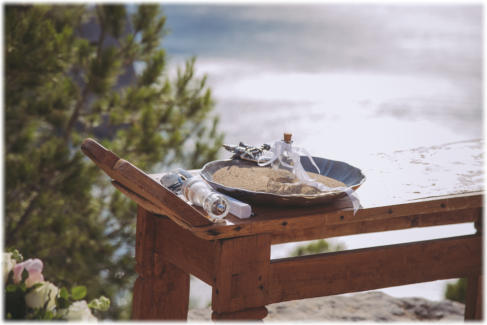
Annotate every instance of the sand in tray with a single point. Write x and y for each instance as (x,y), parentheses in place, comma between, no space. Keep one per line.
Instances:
(276,181)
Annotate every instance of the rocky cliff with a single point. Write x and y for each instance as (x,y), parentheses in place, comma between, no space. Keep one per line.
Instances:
(367,306)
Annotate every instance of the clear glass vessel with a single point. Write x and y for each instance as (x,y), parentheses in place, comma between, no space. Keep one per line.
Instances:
(201,194)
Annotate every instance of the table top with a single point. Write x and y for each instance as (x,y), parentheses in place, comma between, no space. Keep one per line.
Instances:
(420,173)
(410,188)
(416,181)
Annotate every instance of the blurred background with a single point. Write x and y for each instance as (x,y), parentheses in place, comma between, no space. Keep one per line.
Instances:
(349,81)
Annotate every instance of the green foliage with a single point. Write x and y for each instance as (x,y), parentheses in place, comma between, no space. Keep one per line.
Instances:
(61,88)
(316,247)
(63,298)
(78,292)
(457,291)
(16,255)
(15,302)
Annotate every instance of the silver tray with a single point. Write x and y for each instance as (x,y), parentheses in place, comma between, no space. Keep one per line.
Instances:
(338,170)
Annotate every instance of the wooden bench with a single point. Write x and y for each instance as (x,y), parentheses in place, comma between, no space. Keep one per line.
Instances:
(174,240)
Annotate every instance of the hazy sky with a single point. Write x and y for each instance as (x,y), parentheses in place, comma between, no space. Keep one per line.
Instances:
(437,38)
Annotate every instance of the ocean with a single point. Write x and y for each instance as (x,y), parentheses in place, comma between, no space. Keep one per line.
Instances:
(348,81)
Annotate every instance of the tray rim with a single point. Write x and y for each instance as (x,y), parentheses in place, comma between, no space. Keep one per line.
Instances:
(331,194)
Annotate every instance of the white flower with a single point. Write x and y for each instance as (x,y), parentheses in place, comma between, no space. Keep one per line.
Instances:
(8,264)
(79,310)
(37,298)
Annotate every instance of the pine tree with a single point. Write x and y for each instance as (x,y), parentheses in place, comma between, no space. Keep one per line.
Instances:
(69,75)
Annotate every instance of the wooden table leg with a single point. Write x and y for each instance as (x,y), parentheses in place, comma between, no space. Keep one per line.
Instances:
(240,290)
(474,295)
(473,303)
(161,290)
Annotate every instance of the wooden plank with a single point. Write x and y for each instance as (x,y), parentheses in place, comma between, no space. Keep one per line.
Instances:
(163,297)
(148,205)
(418,173)
(473,303)
(102,157)
(185,250)
(141,201)
(140,183)
(161,290)
(242,274)
(427,206)
(374,268)
(289,221)
(145,236)
(368,226)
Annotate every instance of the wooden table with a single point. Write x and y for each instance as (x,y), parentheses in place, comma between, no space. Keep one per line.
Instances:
(416,188)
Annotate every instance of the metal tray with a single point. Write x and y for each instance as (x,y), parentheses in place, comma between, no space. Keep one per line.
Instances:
(338,170)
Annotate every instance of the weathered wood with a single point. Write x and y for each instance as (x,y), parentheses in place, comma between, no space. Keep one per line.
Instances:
(163,297)
(161,290)
(144,186)
(140,182)
(145,236)
(418,173)
(141,201)
(374,268)
(185,250)
(148,205)
(102,157)
(289,223)
(474,298)
(247,314)
(418,207)
(478,225)
(241,274)
(368,226)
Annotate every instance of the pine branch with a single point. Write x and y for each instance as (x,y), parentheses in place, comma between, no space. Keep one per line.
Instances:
(74,117)
(84,94)
(23,219)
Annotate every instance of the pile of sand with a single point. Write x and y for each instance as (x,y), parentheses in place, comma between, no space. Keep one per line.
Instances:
(268,180)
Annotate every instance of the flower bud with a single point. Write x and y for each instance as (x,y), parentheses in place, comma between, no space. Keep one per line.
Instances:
(34,267)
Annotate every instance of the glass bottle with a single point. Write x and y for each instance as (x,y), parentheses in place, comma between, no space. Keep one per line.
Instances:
(284,151)
(201,194)
(197,191)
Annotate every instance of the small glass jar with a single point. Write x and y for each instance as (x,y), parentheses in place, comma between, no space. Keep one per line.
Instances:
(199,193)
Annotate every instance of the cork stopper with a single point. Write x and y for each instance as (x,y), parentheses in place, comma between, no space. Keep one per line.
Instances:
(287,137)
